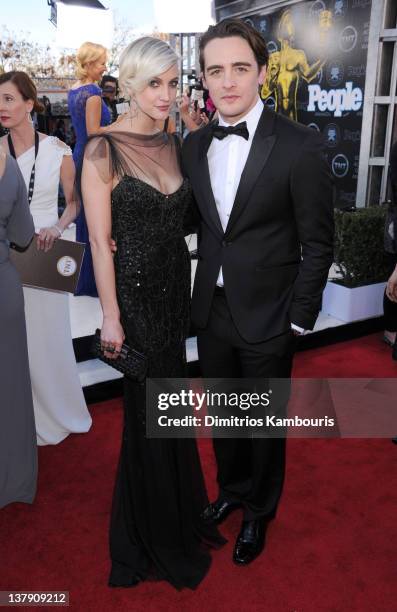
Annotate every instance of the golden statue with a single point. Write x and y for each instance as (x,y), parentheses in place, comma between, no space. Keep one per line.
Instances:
(287,66)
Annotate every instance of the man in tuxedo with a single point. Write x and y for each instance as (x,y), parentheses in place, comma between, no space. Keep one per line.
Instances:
(264,194)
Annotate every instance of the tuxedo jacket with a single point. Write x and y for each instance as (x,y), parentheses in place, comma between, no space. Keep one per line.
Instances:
(277,248)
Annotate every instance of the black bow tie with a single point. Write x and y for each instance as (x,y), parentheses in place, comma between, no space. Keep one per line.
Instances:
(221,131)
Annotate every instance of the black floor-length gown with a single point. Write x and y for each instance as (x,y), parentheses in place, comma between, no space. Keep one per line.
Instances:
(155,531)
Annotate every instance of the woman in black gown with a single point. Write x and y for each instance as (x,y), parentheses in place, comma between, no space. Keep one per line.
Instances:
(133,190)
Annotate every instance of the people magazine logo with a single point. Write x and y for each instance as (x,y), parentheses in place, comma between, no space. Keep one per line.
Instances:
(336,101)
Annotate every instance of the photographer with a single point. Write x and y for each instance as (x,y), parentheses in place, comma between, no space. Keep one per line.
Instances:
(192,107)
(109,86)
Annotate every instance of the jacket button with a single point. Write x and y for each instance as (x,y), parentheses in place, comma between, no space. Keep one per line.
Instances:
(226,243)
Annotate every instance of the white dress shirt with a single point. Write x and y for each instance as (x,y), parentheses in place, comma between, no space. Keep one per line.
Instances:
(226,161)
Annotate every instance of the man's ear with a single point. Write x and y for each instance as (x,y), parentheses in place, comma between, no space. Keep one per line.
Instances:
(262,75)
(202,77)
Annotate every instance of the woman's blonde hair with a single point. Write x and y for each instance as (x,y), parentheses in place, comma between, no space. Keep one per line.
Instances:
(144,59)
(88,52)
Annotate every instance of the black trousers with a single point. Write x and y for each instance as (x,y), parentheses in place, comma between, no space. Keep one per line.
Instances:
(250,471)
(389,307)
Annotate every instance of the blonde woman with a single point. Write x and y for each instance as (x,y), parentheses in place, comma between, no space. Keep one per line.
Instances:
(89,113)
(134,191)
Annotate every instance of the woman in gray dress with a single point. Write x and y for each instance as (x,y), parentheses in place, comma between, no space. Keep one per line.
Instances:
(18,450)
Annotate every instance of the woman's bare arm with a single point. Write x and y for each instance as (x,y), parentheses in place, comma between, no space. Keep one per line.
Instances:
(97,206)
(93,110)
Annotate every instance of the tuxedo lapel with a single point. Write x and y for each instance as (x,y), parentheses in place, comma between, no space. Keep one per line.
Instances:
(204,180)
(262,145)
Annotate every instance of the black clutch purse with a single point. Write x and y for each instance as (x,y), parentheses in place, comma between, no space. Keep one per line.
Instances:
(130,362)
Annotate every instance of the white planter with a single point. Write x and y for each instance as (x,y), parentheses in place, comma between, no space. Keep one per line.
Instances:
(349,305)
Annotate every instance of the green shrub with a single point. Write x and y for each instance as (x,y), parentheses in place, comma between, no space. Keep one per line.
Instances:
(359,253)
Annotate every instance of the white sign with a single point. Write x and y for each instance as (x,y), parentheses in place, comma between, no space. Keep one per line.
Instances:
(178,16)
(78,24)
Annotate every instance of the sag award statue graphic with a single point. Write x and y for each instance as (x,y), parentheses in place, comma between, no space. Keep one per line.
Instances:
(289,65)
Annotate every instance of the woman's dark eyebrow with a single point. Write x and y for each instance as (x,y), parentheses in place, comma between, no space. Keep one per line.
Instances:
(160,80)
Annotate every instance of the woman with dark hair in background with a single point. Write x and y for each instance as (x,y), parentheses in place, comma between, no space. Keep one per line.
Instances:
(89,113)
(18,450)
(58,399)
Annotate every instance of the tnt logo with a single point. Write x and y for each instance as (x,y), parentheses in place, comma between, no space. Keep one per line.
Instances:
(317,7)
(271,102)
(340,165)
(348,39)
(272,46)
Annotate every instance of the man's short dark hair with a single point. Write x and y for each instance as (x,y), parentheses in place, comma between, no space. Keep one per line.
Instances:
(107,78)
(236,27)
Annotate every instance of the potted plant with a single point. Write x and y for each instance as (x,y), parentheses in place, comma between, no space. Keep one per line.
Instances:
(360,265)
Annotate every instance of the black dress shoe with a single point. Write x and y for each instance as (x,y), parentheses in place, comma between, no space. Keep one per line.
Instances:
(217,511)
(250,541)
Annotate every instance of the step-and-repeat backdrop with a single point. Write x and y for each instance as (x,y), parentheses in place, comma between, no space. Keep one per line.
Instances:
(316,75)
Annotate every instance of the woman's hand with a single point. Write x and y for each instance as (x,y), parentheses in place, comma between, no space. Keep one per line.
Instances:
(112,337)
(391,287)
(113,247)
(183,103)
(47,237)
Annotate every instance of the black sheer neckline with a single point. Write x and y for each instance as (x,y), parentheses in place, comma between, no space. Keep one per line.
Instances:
(161,136)
(166,195)
(152,158)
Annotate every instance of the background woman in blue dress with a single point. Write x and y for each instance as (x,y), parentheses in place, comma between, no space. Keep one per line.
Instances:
(88,113)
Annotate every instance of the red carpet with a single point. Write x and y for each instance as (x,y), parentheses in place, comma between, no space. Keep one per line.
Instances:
(332,547)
